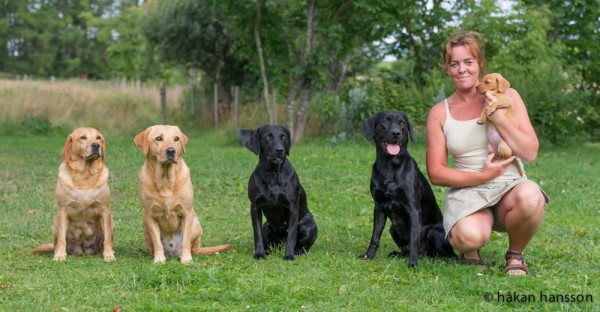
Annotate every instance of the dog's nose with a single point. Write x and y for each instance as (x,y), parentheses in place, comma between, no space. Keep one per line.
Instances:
(95,146)
(395,132)
(171,151)
(279,150)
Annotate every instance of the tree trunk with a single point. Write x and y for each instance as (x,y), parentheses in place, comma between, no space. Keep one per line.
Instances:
(261,61)
(302,116)
(304,81)
(163,102)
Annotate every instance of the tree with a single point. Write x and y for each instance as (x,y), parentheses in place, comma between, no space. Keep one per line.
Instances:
(194,34)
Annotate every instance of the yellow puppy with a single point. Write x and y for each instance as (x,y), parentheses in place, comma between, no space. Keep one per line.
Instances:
(171,225)
(497,85)
(83,223)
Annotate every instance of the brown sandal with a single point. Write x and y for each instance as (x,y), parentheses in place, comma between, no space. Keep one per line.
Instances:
(516,266)
(477,262)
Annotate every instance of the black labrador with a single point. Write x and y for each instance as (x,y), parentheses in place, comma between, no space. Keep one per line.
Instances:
(275,191)
(401,193)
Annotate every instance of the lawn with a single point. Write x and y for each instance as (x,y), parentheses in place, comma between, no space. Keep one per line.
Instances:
(563,257)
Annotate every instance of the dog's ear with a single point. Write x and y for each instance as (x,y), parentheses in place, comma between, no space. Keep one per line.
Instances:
(66,151)
(369,127)
(252,143)
(141,140)
(503,84)
(410,129)
(183,138)
(288,142)
(103,144)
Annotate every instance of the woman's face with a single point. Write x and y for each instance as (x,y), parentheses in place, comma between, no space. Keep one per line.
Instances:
(463,68)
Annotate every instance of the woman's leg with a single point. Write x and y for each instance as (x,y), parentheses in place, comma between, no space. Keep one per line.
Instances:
(471,233)
(521,211)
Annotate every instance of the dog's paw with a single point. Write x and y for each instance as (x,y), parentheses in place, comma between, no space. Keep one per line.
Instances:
(186,258)
(60,257)
(259,255)
(109,256)
(289,257)
(365,256)
(159,259)
(412,262)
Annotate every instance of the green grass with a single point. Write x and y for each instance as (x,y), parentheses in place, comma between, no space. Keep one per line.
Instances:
(563,256)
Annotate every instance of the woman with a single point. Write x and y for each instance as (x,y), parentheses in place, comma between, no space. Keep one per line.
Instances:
(483,195)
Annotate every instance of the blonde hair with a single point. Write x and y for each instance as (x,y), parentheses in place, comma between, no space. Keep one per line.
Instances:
(471,40)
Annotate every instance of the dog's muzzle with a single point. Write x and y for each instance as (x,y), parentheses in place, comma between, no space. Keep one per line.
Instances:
(171,156)
(94,152)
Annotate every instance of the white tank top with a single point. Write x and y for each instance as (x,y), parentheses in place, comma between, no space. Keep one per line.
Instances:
(467,143)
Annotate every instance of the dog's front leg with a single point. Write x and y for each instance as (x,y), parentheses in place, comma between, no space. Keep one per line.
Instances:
(154,234)
(379,219)
(290,244)
(415,232)
(107,229)
(61,223)
(186,242)
(259,246)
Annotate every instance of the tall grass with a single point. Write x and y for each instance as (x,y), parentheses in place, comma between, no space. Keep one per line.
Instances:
(114,107)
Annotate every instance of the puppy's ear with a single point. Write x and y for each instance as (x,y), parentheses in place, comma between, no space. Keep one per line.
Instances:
(369,127)
(503,84)
(141,140)
(252,143)
(288,142)
(66,151)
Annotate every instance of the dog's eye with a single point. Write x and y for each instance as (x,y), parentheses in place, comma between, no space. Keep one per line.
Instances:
(385,122)
(98,138)
(269,137)
(283,137)
(159,138)
(176,138)
(83,137)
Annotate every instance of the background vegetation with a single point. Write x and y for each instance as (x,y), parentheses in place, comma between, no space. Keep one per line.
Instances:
(299,63)
(562,257)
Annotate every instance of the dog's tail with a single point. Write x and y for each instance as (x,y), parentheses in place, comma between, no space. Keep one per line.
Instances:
(211,250)
(518,165)
(45,248)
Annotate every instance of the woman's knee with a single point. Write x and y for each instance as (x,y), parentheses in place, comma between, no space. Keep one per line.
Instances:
(526,202)
(472,232)
(468,239)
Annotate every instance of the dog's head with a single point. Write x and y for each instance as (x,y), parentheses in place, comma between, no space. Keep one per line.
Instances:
(494,83)
(390,130)
(84,143)
(162,143)
(271,143)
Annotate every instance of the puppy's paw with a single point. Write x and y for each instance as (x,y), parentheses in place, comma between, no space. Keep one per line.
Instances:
(109,256)
(289,257)
(60,257)
(260,255)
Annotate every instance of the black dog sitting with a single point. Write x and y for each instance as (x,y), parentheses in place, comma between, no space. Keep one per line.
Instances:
(275,191)
(401,193)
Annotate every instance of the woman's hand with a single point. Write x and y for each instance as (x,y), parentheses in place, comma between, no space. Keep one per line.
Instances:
(493,169)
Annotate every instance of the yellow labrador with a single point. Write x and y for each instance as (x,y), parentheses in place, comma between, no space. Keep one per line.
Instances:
(171,225)
(497,85)
(83,223)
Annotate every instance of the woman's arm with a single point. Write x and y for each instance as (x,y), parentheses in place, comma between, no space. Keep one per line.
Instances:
(437,157)
(522,139)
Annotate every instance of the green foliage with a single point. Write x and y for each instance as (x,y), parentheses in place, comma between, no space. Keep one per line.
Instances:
(562,257)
